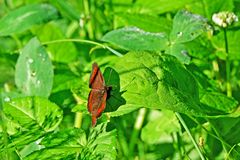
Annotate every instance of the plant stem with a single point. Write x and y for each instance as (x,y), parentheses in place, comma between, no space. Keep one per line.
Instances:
(84,41)
(229,88)
(137,127)
(78,115)
(190,135)
(89,18)
(78,119)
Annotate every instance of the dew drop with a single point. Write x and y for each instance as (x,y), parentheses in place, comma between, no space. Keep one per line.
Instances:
(33,73)
(7,99)
(179,34)
(38,82)
(30,60)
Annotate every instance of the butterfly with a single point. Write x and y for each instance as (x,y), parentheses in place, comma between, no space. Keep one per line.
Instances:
(98,95)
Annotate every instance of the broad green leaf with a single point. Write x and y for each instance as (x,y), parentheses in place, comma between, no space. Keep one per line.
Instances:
(146,22)
(34,71)
(112,80)
(133,38)
(161,6)
(157,81)
(25,17)
(164,123)
(187,26)
(29,118)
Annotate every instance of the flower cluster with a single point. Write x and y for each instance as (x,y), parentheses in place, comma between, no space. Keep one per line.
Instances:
(224,19)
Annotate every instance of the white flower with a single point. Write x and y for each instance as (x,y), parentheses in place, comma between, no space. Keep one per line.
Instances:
(224,19)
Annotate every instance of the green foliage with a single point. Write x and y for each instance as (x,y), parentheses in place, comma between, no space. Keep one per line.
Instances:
(186,27)
(171,77)
(25,17)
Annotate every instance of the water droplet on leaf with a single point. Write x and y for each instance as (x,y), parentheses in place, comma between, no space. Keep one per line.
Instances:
(33,73)
(7,99)
(38,81)
(179,34)
(30,60)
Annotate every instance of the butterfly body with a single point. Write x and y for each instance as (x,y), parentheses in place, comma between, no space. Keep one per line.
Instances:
(98,95)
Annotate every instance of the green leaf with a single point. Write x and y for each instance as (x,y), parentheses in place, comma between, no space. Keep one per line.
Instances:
(29,118)
(25,17)
(187,26)
(157,81)
(34,71)
(101,143)
(180,52)
(162,123)
(73,144)
(112,81)
(218,101)
(133,38)
(66,143)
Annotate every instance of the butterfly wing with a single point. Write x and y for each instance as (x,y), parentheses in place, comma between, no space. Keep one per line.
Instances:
(96,79)
(98,95)
(96,103)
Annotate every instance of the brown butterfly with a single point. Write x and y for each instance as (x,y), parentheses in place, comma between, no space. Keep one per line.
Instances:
(98,95)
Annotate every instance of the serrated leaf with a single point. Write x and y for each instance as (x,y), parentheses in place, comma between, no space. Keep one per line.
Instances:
(162,124)
(29,118)
(34,71)
(25,17)
(103,143)
(72,144)
(187,26)
(36,110)
(135,39)
(66,143)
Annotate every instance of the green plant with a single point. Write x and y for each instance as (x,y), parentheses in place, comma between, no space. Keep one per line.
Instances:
(173,78)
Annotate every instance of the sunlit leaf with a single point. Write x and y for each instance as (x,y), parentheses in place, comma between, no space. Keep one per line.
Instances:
(25,17)
(34,71)
(187,26)
(132,38)
(27,119)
